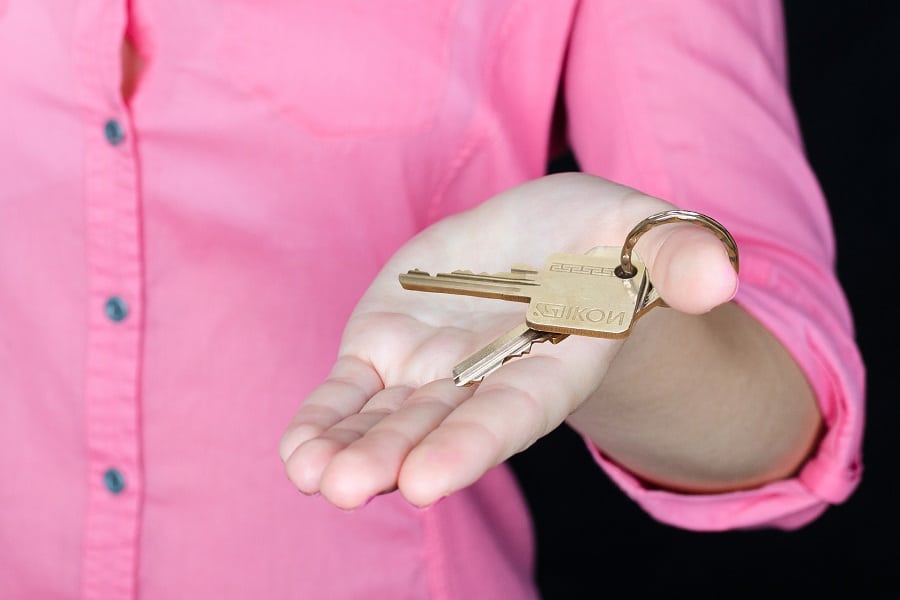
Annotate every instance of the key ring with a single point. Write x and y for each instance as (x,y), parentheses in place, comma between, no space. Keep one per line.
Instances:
(627,270)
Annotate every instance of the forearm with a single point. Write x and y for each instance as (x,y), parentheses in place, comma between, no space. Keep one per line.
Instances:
(707,403)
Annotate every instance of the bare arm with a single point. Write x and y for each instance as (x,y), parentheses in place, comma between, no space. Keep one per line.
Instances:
(703,403)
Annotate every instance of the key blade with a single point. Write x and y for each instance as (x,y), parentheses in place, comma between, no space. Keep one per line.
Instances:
(489,358)
(514,343)
(516,285)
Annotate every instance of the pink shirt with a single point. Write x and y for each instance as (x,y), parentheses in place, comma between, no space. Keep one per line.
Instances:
(175,271)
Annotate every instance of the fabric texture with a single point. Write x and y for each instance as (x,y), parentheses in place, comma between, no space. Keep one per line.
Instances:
(272,157)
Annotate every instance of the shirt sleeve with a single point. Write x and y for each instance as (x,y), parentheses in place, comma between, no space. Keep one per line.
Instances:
(688,101)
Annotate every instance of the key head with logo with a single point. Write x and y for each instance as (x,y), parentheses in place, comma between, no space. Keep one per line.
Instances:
(581,294)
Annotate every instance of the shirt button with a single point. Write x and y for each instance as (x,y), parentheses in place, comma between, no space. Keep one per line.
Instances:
(116,309)
(115,135)
(114,481)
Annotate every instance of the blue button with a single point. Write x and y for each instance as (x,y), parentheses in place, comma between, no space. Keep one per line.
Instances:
(116,309)
(115,135)
(114,481)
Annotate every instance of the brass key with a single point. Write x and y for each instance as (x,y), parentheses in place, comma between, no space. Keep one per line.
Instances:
(514,343)
(573,293)
(599,294)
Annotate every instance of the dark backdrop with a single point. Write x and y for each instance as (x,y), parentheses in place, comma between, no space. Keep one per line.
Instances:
(844,61)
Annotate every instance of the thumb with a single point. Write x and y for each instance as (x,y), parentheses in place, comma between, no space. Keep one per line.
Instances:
(689,267)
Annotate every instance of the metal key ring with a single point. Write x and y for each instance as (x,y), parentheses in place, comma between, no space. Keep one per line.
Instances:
(626,269)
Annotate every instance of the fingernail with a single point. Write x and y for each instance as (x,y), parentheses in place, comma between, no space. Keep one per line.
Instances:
(430,506)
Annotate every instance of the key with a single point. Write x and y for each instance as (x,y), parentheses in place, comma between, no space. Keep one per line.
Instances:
(573,294)
(514,343)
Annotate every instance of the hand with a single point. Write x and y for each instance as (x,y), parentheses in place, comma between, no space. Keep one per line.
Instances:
(389,417)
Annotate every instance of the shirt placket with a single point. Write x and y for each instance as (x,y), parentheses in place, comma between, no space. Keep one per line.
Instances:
(115,307)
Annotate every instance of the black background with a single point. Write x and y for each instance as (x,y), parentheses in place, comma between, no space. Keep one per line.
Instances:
(844,60)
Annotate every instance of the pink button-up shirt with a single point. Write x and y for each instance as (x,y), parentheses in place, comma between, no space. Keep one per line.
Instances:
(176,269)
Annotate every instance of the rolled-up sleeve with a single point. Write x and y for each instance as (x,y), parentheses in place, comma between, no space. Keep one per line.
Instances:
(688,101)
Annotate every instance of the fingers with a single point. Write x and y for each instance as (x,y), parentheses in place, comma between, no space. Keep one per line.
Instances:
(361,455)
(349,386)
(307,463)
(440,438)
(689,267)
(514,407)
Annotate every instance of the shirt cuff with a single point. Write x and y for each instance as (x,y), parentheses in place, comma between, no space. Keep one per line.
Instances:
(788,302)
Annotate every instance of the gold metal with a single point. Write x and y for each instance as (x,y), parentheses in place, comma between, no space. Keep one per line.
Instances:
(517,285)
(514,343)
(572,294)
(582,295)
(626,268)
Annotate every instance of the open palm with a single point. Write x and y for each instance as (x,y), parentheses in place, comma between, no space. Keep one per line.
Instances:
(389,416)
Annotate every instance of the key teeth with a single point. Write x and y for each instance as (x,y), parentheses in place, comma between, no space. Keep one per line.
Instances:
(525,351)
(505,360)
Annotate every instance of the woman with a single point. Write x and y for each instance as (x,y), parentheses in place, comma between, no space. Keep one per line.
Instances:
(188,235)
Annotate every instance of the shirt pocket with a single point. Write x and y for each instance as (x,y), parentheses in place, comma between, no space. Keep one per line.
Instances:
(345,67)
